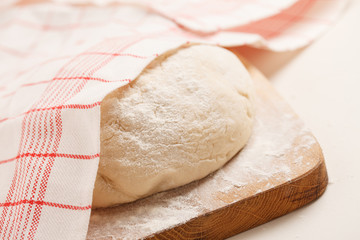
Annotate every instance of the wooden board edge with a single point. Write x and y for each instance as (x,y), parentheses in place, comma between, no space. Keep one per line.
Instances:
(254,211)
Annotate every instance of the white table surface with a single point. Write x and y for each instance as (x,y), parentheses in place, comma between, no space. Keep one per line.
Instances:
(322,84)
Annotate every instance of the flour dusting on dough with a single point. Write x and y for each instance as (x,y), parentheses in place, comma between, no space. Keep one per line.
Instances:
(267,161)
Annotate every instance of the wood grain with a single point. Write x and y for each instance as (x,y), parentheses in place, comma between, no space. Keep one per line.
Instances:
(241,207)
(253,211)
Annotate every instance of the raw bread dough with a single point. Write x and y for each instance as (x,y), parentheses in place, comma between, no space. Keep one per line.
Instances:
(184,117)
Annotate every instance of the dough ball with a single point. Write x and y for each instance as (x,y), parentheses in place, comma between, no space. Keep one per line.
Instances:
(184,117)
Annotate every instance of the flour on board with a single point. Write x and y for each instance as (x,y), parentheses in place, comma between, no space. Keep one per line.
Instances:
(268,160)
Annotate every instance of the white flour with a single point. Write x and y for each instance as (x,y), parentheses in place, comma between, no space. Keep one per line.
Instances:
(268,160)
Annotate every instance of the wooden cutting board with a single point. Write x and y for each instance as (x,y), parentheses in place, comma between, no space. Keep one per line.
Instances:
(281,169)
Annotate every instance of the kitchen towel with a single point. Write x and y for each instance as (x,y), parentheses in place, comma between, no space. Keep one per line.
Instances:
(59,59)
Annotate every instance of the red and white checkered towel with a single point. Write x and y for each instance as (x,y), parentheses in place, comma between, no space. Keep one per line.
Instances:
(57,62)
